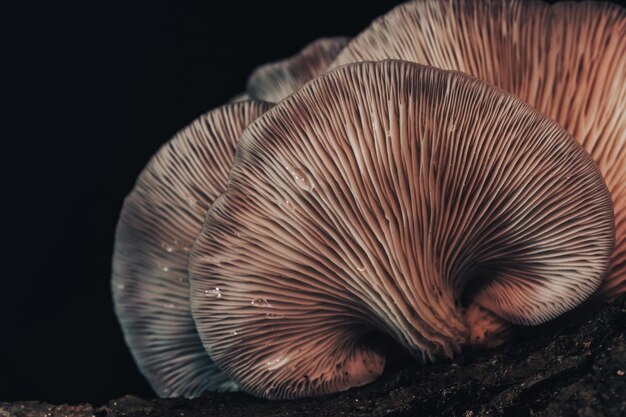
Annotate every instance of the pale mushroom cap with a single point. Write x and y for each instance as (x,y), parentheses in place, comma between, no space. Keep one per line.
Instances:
(568,60)
(274,81)
(382,198)
(160,220)
(240,97)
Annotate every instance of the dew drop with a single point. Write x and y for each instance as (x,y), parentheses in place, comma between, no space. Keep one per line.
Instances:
(234,333)
(274,316)
(168,248)
(163,268)
(261,303)
(276,363)
(213,292)
(288,204)
(301,179)
(120,286)
(191,200)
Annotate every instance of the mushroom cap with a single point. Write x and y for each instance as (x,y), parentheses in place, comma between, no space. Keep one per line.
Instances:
(274,81)
(160,219)
(568,60)
(240,97)
(381,198)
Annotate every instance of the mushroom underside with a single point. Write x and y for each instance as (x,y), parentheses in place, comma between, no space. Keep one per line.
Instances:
(354,210)
(383,203)
(567,60)
(160,219)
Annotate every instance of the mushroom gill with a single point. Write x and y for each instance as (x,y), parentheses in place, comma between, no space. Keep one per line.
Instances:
(383,199)
(159,221)
(568,60)
(274,81)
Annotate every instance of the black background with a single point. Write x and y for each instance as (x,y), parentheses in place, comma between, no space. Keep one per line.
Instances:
(93,90)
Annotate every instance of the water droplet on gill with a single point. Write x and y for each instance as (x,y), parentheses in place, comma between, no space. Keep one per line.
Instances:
(274,316)
(261,303)
(120,286)
(300,177)
(452,127)
(168,248)
(288,204)
(209,260)
(213,292)
(169,305)
(191,200)
(276,363)
(234,333)
(360,268)
(163,268)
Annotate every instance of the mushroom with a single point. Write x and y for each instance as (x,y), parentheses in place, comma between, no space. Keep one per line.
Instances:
(274,81)
(160,219)
(568,60)
(385,199)
(240,97)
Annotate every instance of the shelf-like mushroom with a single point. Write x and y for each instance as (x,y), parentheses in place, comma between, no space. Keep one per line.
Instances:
(383,199)
(568,60)
(159,222)
(274,81)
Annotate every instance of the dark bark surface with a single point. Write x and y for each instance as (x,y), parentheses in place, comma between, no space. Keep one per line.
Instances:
(573,371)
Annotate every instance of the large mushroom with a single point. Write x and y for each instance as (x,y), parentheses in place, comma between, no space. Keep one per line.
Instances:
(567,60)
(159,222)
(384,199)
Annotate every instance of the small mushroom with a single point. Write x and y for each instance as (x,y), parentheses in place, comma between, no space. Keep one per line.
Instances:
(275,81)
(568,60)
(160,220)
(240,97)
(382,199)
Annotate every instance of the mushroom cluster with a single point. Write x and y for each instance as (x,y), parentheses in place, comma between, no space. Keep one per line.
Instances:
(454,171)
